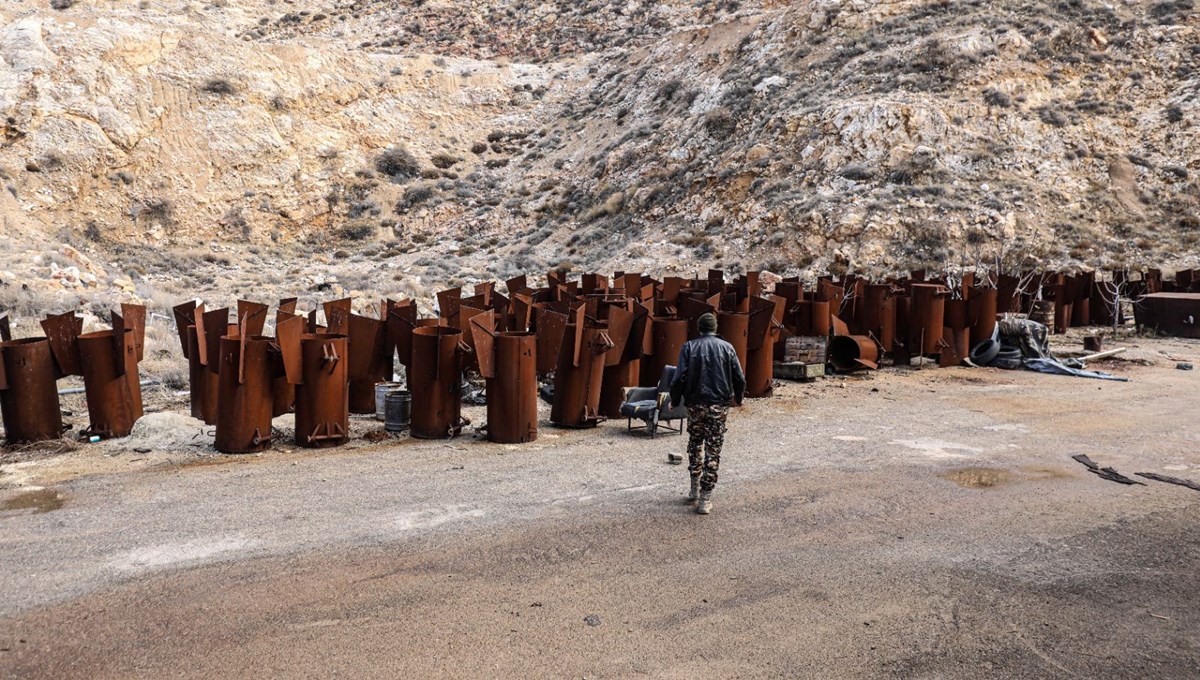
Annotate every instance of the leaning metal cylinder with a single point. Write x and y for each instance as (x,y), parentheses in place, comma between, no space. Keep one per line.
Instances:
(114,398)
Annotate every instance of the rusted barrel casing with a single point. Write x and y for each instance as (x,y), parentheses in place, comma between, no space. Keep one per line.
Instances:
(283,396)
(927,314)
(981,313)
(28,393)
(114,392)
(512,394)
(245,395)
(577,388)
(616,379)
(760,368)
(362,393)
(820,318)
(435,380)
(853,352)
(204,383)
(668,335)
(734,327)
(322,400)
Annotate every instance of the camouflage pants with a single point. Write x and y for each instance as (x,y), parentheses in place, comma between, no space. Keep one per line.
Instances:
(706,429)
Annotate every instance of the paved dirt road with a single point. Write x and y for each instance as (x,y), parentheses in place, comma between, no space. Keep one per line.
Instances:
(919,524)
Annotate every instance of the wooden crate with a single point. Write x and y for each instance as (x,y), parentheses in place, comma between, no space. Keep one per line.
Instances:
(798,371)
(808,349)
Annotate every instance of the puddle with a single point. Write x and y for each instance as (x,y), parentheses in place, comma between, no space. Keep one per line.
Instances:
(977,477)
(42,500)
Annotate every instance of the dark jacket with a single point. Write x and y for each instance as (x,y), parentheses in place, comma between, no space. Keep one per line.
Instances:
(708,373)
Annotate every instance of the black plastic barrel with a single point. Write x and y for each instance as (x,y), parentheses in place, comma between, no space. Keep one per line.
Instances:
(397,405)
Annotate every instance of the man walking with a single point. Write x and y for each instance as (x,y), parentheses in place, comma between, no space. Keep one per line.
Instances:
(709,379)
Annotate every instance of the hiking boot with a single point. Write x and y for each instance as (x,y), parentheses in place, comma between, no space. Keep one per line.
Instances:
(694,493)
(703,504)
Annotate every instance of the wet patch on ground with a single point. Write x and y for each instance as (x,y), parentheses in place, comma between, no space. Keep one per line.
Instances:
(978,477)
(41,500)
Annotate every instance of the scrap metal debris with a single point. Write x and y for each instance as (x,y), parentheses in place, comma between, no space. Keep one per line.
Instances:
(1105,473)
(1169,480)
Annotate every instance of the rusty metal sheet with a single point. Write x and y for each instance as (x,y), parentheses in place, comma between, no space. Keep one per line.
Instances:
(322,402)
(214,324)
(551,327)
(135,318)
(839,326)
(365,344)
(639,333)
(251,317)
(593,283)
(671,287)
(63,331)
(620,322)
(482,327)
(185,315)
(4,378)
(448,302)
(578,323)
(485,288)
(716,282)
(517,284)
(288,305)
(120,337)
(400,323)
(5,329)
(288,332)
(521,314)
(337,316)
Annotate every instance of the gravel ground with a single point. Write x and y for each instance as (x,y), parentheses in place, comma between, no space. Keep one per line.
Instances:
(910,523)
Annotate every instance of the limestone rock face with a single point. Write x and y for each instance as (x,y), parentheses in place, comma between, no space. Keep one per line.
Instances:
(876,134)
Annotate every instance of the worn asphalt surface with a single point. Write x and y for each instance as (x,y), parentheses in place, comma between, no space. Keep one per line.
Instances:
(915,524)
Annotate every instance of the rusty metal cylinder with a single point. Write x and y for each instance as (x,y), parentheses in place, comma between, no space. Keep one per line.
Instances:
(435,380)
(760,368)
(322,400)
(577,388)
(981,312)
(29,399)
(203,382)
(512,395)
(245,395)
(668,336)
(734,328)
(362,392)
(853,352)
(820,318)
(114,392)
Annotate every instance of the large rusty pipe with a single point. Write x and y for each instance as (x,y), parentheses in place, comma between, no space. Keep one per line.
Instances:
(854,352)
(244,394)
(322,400)
(733,327)
(760,367)
(577,387)
(435,380)
(204,383)
(28,395)
(981,313)
(512,395)
(114,393)
(668,334)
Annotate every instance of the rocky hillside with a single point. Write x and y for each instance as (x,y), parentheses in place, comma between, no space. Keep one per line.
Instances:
(456,140)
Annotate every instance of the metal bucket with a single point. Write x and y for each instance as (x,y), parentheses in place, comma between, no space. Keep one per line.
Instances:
(397,406)
(381,390)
